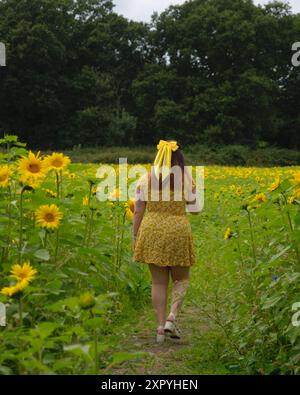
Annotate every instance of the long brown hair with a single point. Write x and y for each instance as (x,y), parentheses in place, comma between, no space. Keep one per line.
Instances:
(177,159)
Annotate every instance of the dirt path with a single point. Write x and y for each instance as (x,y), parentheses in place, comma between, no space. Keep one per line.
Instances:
(186,356)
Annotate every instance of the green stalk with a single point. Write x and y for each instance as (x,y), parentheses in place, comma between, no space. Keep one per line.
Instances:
(90,228)
(20,311)
(5,250)
(291,228)
(46,238)
(21,226)
(61,183)
(57,184)
(56,246)
(96,352)
(252,237)
(121,240)
(89,218)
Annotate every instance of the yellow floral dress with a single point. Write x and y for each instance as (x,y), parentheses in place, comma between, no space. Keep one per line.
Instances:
(165,236)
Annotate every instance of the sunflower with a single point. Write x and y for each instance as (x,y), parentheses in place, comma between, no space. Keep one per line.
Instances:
(85,201)
(86,300)
(15,289)
(228,234)
(50,193)
(25,272)
(48,216)
(5,174)
(130,208)
(275,185)
(130,205)
(57,161)
(260,197)
(32,169)
(296,179)
(291,199)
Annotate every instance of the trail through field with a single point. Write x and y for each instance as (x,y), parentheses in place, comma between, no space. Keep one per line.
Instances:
(189,355)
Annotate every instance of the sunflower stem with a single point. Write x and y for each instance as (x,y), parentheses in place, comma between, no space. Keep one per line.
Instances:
(89,217)
(291,228)
(20,311)
(57,184)
(21,226)
(56,247)
(46,238)
(61,183)
(252,237)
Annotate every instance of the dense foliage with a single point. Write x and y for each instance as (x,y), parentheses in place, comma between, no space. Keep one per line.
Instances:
(207,71)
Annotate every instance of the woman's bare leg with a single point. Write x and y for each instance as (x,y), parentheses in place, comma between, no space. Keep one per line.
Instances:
(180,276)
(160,282)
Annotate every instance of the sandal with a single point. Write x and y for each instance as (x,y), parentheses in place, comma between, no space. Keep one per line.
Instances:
(172,329)
(160,336)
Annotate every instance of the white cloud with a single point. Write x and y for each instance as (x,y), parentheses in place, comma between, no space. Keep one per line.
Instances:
(141,10)
(294,3)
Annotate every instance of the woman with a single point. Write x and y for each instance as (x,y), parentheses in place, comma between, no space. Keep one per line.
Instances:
(162,233)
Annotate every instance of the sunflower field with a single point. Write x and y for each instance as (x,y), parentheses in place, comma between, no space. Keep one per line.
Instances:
(70,288)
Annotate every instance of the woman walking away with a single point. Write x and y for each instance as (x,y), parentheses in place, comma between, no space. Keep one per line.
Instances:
(162,232)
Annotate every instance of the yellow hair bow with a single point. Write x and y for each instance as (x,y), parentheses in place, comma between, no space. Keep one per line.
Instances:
(164,157)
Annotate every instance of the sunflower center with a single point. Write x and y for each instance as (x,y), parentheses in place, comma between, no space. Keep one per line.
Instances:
(34,168)
(3,177)
(49,217)
(57,163)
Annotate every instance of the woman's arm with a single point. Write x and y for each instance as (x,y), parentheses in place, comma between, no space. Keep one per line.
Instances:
(193,206)
(139,209)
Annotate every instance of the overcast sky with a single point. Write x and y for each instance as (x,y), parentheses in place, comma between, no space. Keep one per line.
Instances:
(141,10)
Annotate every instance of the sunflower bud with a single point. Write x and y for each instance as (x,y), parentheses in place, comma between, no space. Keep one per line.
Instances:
(86,301)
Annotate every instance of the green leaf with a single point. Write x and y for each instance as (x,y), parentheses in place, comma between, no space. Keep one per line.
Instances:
(121,357)
(271,302)
(46,328)
(43,255)
(279,254)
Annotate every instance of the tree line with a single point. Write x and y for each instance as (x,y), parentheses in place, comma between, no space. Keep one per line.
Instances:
(207,72)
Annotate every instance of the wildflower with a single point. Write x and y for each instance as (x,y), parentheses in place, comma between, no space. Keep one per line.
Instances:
(275,185)
(297,193)
(260,198)
(86,300)
(228,234)
(296,179)
(48,216)
(5,174)
(57,161)
(85,201)
(291,199)
(130,209)
(24,272)
(51,193)
(32,169)
(16,289)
